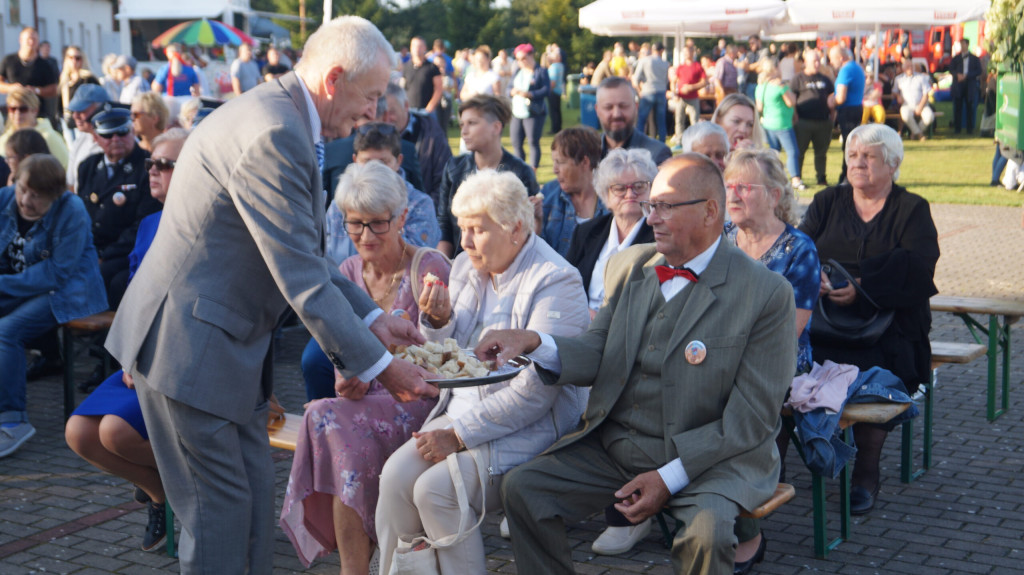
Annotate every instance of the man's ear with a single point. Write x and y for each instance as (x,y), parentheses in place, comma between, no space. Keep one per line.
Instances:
(331,80)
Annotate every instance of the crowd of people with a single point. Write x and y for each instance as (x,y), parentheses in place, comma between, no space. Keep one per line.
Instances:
(666,302)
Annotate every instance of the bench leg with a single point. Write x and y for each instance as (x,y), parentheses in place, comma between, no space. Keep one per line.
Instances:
(822,545)
(1004,336)
(907,472)
(69,373)
(668,535)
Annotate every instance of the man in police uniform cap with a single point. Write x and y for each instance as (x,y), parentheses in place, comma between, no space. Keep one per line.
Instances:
(115,188)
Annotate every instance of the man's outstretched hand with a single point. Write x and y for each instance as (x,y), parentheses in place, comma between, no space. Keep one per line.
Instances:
(501,345)
(392,330)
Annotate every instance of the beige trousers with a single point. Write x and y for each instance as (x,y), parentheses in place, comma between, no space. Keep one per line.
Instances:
(417,496)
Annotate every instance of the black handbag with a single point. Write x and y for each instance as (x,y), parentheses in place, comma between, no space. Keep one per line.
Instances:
(842,326)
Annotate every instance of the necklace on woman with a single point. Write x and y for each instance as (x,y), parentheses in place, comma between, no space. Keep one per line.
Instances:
(395,276)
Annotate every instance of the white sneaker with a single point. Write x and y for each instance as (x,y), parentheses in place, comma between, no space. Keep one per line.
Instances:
(11,438)
(616,540)
(375,561)
(503,529)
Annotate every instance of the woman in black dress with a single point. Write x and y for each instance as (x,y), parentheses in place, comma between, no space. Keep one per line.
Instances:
(885,237)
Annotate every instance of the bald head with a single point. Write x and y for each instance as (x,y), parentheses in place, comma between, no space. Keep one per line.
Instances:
(692,185)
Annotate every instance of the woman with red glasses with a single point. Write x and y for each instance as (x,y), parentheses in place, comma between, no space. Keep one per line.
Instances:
(107,429)
(23,113)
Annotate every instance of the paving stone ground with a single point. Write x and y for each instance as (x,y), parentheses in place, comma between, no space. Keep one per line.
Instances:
(60,515)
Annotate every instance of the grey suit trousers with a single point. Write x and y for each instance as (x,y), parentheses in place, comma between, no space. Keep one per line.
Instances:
(580,479)
(218,477)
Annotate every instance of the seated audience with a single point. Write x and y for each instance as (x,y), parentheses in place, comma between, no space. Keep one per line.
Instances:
(616,110)
(738,115)
(570,199)
(505,278)
(48,276)
(912,90)
(885,237)
(107,429)
(709,139)
(482,119)
(332,491)
(422,129)
(89,100)
(763,210)
(274,68)
(115,189)
(379,141)
(622,180)
(149,118)
(687,365)
(339,154)
(23,113)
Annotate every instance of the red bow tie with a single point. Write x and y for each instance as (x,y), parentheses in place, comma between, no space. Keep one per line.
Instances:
(666,273)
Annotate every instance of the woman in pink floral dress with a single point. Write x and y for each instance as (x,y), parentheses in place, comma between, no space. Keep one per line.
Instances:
(344,441)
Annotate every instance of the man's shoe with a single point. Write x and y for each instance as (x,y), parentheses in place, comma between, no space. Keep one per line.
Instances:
(861,500)
(822,182)
(11,438)
(616,540)
(43,366)
(503,529)
(156,528)
(745,567)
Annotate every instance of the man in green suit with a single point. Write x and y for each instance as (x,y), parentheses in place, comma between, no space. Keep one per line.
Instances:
(689,363)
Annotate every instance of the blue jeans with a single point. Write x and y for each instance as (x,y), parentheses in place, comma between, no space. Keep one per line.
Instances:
(21,320)
(317,371)
(659,102)
(522,129)
(786,140)
(998,165)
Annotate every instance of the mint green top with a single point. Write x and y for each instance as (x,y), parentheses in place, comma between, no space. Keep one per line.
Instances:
(775,115)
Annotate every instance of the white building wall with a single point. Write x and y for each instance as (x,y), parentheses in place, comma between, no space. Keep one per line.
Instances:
(87,23)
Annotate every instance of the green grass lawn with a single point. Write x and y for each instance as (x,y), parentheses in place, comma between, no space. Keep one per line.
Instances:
(946,169)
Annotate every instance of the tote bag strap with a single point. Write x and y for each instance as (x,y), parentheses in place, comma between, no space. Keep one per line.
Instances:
(466,512)
(836,266)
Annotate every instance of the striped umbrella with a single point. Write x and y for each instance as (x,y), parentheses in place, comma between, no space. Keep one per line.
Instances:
(203,33)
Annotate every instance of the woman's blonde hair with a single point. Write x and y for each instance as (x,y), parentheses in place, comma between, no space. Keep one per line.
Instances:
(22,96)
(499,195)
(153,103)
(766,163)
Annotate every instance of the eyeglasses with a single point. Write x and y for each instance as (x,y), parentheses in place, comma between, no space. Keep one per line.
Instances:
(376,226)
(382,128)
(664,209)
(123,132)
(639,188)
(20,109)
(745,190)
(76,57)
(161,164)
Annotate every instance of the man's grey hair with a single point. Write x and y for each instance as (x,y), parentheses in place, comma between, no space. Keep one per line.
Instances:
(371,188)
(620,161)
(613,82)
(392,91)
(701,131)
(351,42)
(883,136)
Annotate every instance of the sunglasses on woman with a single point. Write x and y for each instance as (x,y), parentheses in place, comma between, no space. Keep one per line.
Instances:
(161,164)
(20,109)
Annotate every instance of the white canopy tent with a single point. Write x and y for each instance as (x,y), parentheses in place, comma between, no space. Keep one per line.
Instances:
(681,18)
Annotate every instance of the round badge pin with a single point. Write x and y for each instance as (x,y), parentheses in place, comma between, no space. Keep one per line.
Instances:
(695,352)
(94,198)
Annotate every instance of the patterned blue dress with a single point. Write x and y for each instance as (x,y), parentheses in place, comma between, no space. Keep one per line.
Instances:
(794,256)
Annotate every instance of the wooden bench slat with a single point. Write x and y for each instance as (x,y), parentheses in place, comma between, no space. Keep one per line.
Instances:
(984,305)
(783,493)
(96,322)
(951,352)
(284,434)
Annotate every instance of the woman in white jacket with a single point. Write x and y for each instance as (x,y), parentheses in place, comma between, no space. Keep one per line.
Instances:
(506,278)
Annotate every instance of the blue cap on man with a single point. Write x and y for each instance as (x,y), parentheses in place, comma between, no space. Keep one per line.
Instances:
(86,95)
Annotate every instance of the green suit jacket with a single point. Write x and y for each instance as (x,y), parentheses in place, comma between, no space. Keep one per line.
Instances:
(720,415)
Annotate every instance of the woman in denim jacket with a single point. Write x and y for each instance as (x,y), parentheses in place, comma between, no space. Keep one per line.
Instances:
(49,275)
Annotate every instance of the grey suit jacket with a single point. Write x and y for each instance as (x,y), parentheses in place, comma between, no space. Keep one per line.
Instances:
(240,241)
(721,415)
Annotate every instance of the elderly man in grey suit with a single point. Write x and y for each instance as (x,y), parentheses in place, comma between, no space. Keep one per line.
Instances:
(240,242)
(689,359)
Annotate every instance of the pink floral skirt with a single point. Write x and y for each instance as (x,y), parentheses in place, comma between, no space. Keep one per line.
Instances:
(341,449)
